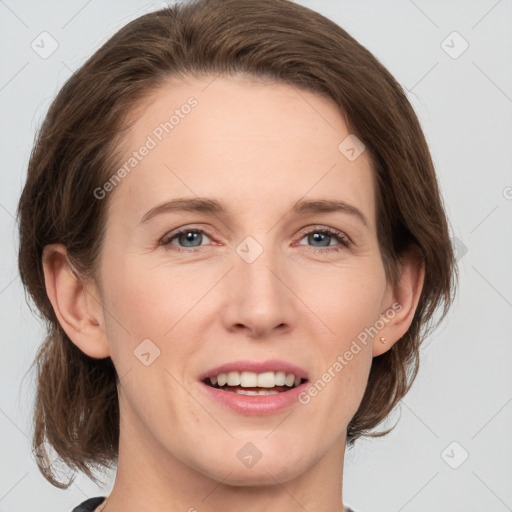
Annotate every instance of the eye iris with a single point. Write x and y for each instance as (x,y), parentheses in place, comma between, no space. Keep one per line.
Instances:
(189,236)
(317,237)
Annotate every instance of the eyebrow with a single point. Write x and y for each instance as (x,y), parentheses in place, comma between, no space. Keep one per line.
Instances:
(213,206)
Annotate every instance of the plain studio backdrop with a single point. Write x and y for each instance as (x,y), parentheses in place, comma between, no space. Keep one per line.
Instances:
(451,449)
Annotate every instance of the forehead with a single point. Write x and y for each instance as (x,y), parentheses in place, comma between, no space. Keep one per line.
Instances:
(240,140)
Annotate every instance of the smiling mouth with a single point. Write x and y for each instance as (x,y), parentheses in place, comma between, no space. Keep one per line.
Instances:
(252,384)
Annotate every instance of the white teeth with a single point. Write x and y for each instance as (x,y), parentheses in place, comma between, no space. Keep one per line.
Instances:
(253,380)
(254,393)
(233,379)
(248,380)
(280,378)
(246,392)
(266,380)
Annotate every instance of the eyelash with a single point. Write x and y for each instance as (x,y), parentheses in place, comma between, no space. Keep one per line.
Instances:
(344,241)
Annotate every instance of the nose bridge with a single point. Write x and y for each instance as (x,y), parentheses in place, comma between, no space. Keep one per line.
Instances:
(259,299)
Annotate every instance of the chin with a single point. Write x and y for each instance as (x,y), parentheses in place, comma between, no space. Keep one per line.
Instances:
(268,470)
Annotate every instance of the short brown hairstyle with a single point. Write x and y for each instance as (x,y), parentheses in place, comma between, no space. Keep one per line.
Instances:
(77,150)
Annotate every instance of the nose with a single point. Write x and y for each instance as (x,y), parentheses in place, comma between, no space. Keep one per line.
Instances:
(259,299)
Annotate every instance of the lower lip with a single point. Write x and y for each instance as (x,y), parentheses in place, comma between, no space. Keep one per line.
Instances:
(258,405)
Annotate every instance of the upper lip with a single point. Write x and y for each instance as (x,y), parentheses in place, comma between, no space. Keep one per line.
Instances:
(270,365)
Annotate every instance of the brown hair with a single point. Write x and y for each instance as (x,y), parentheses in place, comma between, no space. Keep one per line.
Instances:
(76,151)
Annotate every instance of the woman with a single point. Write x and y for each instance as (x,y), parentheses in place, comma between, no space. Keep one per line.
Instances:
(232,225)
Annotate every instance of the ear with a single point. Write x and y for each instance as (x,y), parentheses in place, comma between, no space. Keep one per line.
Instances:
(401,302)
(76,302)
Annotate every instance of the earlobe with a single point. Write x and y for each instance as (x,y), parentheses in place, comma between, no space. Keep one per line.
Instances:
(403,304)
(78,311)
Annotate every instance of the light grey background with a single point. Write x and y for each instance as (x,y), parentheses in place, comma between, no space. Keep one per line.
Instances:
(463,393)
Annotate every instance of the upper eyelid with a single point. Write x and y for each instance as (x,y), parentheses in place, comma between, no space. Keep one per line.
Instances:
(185,229)
(331,231)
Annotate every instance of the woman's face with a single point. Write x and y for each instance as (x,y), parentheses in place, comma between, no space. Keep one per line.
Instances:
(265,284)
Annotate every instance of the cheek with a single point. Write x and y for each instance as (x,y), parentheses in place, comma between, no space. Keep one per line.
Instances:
(151,301)
(347,298)
(348,304)
(155,304)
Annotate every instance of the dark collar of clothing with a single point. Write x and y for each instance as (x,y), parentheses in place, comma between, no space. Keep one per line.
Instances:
(90,504)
